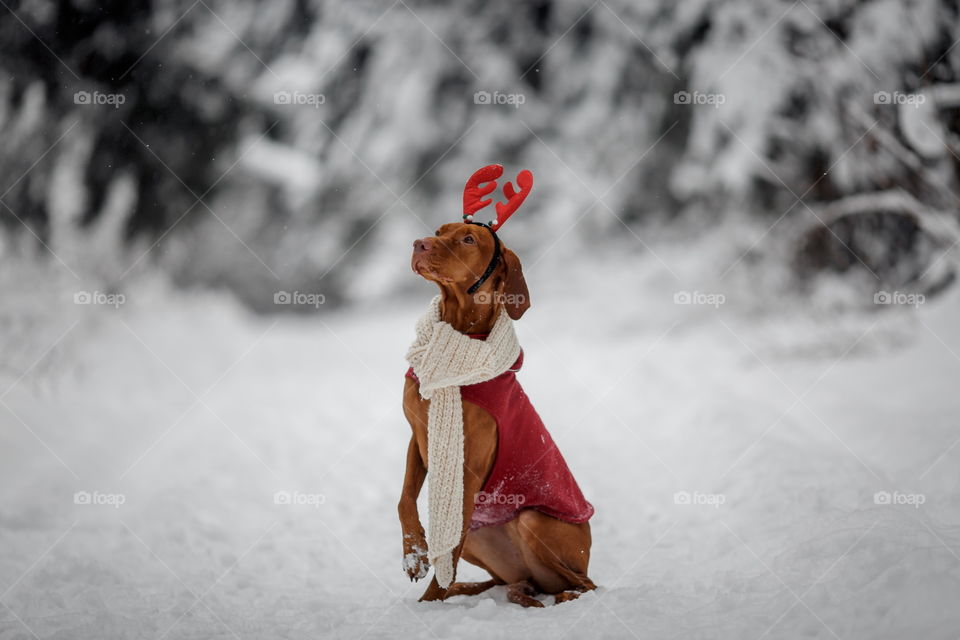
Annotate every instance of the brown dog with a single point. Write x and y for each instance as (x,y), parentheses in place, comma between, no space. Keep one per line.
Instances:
(533,553)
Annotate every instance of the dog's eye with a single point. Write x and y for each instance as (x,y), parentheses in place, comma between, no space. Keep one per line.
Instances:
(469,240)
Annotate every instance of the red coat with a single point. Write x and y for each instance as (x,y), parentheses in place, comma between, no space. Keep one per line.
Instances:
(529,471)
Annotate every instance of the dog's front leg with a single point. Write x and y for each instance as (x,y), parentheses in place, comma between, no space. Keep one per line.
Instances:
(480,449)
(434,590)
(415,561)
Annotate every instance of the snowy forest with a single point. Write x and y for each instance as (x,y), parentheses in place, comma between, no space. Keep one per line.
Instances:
(741,248)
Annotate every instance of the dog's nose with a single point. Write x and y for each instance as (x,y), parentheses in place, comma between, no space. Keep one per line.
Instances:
(422,246)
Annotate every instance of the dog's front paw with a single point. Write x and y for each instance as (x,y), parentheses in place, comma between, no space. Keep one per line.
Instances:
(415,561)
(416,565)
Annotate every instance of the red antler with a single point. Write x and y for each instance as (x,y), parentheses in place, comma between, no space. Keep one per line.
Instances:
(473,193)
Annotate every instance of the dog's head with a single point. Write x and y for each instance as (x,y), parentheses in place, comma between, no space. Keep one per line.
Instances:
(458,255)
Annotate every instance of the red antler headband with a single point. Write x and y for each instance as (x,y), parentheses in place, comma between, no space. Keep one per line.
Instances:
(473,194)
(483,182)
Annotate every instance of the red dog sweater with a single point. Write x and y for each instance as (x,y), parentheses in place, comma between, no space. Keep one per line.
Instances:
(529,471)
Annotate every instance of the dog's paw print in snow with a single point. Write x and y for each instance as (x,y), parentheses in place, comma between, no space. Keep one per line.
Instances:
(485,609)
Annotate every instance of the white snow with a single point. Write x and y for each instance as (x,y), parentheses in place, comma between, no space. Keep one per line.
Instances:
(733,454)
(281,164)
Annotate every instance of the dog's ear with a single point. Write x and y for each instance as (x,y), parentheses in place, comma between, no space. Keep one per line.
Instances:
(516,298)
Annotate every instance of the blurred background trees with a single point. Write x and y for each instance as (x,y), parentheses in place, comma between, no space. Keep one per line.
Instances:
(263,145)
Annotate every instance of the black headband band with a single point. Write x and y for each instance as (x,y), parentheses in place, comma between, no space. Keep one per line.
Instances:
(493,261)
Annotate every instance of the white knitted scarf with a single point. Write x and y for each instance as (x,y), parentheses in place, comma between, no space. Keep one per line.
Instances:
(443,360)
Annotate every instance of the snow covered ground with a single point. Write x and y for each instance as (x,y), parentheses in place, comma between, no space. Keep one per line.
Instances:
(733,453)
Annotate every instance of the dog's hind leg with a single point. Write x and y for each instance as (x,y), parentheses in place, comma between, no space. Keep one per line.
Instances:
(522,593)
(557,553)
(469,588)
(567,596)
